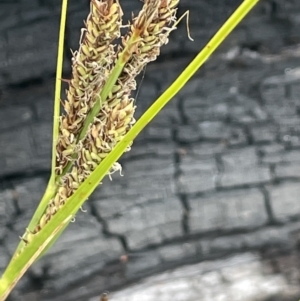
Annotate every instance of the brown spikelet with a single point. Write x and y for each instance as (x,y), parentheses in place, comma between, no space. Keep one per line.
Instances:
(90,68)
(153,25)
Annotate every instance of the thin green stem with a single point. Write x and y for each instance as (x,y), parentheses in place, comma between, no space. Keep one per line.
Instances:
(59,67)
(51,187)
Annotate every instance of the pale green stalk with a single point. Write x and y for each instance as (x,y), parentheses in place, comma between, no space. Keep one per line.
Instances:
(51,187)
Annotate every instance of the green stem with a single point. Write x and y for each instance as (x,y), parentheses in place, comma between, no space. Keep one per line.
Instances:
(51,187)
(59,67)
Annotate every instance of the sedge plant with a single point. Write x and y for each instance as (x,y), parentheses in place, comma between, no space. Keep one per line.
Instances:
(98,125)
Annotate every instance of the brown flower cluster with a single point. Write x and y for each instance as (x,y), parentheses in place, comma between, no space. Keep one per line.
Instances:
(92,65)
(90,68)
